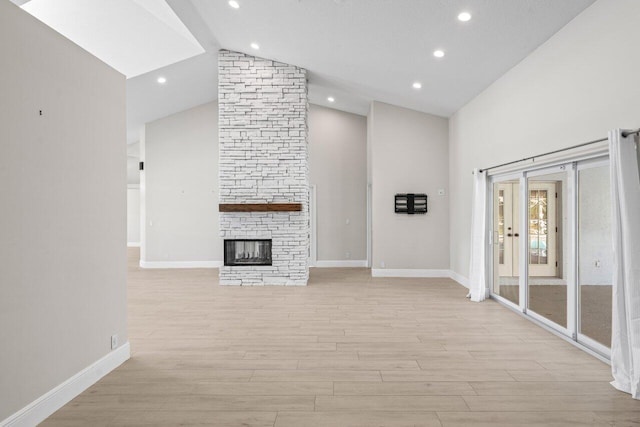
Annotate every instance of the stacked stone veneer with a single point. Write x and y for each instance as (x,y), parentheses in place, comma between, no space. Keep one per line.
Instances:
(264,159)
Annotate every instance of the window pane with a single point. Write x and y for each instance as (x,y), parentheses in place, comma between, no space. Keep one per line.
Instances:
(595,258)
(505,246)
(547,285)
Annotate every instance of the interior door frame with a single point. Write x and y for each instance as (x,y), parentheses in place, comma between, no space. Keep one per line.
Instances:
(511,209)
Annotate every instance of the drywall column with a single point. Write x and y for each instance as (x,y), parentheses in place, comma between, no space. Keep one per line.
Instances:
(133,194)
(63,191)
(264,159)
(408,154)
(133,215)
(337,168)
(143,198)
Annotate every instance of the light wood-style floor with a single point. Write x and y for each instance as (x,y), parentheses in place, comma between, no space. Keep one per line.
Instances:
(347,350)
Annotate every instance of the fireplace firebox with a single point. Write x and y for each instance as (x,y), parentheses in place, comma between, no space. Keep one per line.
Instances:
(246,252)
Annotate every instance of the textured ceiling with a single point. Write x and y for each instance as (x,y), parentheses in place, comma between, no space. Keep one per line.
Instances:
(355,50)
(362,50)
(376,49)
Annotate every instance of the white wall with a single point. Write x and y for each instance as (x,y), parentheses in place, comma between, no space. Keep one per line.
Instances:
(181,188)
(409,154)
(574,88)
(178,188)
(133,216)
(63,204)
(133,194)
(133,163)
(338,169)
(143,196)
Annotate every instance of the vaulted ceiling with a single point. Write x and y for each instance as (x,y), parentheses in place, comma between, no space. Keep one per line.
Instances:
(356,51)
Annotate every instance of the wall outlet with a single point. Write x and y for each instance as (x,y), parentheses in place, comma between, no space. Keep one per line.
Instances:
(348,221)
(348,254)
(114,341)
(598,264)
(382,264)
(441,192)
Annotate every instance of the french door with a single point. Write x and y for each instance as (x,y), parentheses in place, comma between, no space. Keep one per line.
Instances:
(550,241)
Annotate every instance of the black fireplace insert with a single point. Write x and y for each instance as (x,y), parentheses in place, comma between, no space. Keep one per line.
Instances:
(246,252)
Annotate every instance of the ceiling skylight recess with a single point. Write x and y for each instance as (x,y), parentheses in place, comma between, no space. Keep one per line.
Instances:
(133,36)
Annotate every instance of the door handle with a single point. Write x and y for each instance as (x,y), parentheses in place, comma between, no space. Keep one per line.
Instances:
(517,235)
(509,234)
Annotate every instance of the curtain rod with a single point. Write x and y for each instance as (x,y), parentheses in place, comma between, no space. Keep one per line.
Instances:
(624,134)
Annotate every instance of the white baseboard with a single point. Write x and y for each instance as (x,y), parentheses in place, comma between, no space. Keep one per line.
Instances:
(415,272)
(133,244)
(266,282)
(340,263)
(41,408)
(464,281)
(408,272)
(180,264)
(218,264)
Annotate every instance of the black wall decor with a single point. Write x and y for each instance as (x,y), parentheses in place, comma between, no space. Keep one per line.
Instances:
(411,203)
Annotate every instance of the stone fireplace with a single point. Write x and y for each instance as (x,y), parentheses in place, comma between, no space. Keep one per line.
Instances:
(264,184)
(247,252)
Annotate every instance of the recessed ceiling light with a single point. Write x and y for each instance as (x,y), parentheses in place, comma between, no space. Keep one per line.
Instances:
(464,16)
(331,99)
(162,80)
(438,53)
(417,85)
(234,4)
(255,46)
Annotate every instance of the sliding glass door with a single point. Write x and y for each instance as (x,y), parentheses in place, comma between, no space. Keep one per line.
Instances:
(550,242)
(506,281)
(547,220)
(595,257)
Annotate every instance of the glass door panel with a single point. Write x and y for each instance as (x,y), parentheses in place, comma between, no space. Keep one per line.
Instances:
(505,240)
(542,218)
(595,258)
(564,217)
(546,283)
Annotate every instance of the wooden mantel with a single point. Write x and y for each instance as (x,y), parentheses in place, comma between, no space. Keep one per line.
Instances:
(260,207)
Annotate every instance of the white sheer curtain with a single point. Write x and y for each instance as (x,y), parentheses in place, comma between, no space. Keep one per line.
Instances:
(477,268)
(625,195)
